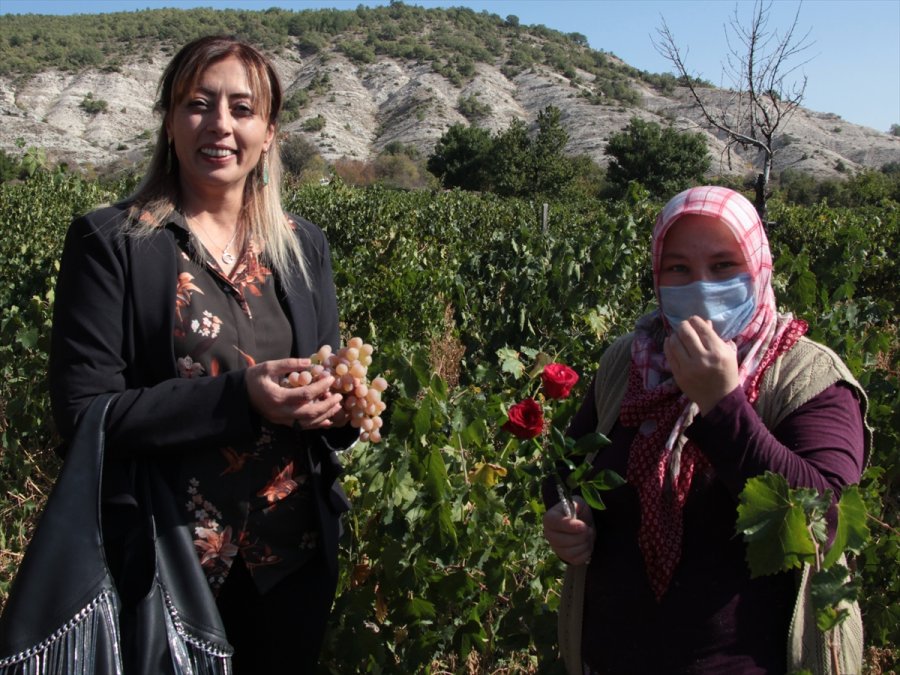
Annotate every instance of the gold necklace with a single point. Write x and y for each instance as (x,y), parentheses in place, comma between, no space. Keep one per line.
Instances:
(227,257)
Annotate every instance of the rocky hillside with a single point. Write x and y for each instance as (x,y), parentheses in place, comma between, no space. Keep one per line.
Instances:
(100,117)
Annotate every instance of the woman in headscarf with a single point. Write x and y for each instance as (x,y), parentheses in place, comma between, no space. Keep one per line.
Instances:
(712,389)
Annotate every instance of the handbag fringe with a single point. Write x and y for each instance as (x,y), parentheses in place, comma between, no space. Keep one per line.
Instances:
(192,655)
(71,649)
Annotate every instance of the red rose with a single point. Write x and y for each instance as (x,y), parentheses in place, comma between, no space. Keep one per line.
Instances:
(526,419)
(558,380)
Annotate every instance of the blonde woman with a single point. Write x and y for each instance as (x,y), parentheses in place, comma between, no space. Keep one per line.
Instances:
(191,301)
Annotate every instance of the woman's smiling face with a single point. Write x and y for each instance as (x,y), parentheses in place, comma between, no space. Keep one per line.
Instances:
(218,130)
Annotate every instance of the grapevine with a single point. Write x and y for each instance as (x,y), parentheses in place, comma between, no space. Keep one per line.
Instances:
(349,367)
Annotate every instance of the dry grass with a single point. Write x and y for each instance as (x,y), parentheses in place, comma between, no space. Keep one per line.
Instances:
(446,351)
(19,512)
(881,661)
(518,664)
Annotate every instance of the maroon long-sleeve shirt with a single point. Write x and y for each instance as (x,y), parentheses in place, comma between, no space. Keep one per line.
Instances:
(714,618)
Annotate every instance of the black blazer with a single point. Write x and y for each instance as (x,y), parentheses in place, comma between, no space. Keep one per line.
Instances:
(113,331)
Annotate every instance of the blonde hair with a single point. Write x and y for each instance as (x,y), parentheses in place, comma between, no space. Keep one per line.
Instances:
(262,215)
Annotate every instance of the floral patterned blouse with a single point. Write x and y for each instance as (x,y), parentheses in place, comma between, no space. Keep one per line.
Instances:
(254,501)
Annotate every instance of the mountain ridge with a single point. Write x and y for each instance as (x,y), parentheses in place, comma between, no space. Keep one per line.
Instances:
(98,117)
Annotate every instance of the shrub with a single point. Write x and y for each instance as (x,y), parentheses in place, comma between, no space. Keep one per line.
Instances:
(355,171)
(399,171)
(313,124)
(290,110)
(460,157)
(93,106)
(471,108)
(297,153)
(357,52)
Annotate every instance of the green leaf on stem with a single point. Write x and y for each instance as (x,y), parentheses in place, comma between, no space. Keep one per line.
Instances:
(510,362)
(852,533)
(574,479)
(607,479)
(592,497)
(419,608)
(559,441)
(589,443)
(422,420)
(774,526)
(591,489)
(828,589)
(435,479)
(446,529)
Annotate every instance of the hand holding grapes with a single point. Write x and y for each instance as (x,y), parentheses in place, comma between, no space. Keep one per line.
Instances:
(345,373)
(311,407)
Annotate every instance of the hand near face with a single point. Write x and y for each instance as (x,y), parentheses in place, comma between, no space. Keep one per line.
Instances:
(313,406)
(704,366)
(572,539)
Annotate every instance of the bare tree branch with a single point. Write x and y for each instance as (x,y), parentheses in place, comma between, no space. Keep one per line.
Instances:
(763,94)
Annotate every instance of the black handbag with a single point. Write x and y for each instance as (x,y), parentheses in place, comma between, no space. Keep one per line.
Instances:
(67,615)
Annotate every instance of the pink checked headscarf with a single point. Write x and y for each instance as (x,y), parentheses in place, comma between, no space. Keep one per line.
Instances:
(661,461)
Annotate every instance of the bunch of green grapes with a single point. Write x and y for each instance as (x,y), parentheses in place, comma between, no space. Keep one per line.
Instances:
(349,366)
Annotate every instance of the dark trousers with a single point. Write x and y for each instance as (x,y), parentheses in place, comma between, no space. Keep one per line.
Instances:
(281,631)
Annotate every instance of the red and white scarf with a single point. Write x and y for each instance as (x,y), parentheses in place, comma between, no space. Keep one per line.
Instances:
(661,461)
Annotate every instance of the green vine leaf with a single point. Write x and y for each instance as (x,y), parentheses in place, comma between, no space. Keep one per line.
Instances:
(774,526)
(510,362)
(829,588)
(852,533)
(422,421)
(418,608)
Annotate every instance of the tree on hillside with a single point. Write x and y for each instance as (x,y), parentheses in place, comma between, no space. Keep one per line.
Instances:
(509,160)
(663,160)
(552,170)
(460,157)
(512,163)
(298,154)
(762,98)
(525,166)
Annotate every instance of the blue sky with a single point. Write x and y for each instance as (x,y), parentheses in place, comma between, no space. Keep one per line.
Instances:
(853,67)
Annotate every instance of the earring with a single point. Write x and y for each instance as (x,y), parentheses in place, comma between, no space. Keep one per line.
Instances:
(170,162)
(265,167)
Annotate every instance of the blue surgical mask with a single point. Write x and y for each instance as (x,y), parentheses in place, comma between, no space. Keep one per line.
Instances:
(728,304)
